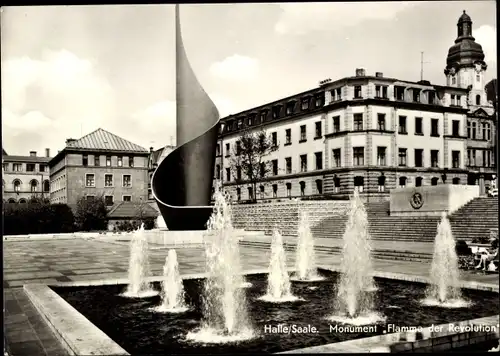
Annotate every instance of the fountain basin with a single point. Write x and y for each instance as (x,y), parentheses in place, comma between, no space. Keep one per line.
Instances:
(137,330)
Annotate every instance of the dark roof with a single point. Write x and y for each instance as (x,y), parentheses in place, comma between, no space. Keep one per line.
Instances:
(132,210)
(29,159)
(464,18)
(4,153)
(156,155)
(104,140)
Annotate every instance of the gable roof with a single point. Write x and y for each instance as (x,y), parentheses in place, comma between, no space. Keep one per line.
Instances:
(128,209)
(101,139)
(480,112)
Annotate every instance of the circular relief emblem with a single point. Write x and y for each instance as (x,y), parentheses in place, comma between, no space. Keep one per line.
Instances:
(417,200)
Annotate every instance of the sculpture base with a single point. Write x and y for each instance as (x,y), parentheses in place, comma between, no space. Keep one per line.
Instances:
(186,218)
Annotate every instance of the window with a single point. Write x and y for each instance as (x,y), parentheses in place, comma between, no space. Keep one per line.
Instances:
(238,173)
(434,181)
(434,158)
(262,169)
(30,167)
(478,99)
(336,124)
(127,198)
(358,156)
(217,171)
(303,136)
(455,181)
(276,112)
(319,160)
(302,188)
(455,128)
(402,182)
(288,136)
(381,122)
(262,192)
(46,186)
(17,186)
(33,186)
(488,131)
(455,158)
(275,167)
(238,194)
(97,161)
(303,163)
(453,80)
(319,101)
(131,158)
(378,92)
(402,125)
(90,180)
(85,160)
(239,124)
(384,92)
(238,148)
(217,149)
(381,183)
(468,129)
(228,149)
(108,180)
(275,190)
(432,97)
(416,95)
(108,161)
(418,181)
(478,78)
(127,180)
(357,92)
(336,184)
(453,99)
(288,164)
(336,158)
(484,158)
(274,139)
(90,197)
(289,108)
(289,190)
(17,167)
(434,127)
(250,193)
(319,186)
(5,167)
(250,120)
(304,104)
(108,199)
(358,122)
(418,126)
(338,94)
(228,174)
(120,161)
(402,157)
(399,93)
(474,132)
(318,129)
(381,154)
(359,183)
(419,157)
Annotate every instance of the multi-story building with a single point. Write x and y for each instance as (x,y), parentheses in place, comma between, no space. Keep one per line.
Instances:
(25,177)
(369,133)
(99,163)
(155,158)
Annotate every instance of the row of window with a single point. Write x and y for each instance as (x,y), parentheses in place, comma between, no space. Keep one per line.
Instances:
(16,184)
(109,199)
(476,131)
(473,159)
(97,161)
(30,167)
(108,180)
(359,183)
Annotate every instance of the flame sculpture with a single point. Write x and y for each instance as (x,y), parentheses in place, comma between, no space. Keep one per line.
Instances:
(182,183)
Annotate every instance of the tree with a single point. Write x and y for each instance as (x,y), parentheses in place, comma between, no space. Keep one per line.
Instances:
(91,214)
(248,159)
(143,218)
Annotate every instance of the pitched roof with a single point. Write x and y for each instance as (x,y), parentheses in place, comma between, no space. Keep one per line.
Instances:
(128,209)
(29,159)
(104,140)
(161,153)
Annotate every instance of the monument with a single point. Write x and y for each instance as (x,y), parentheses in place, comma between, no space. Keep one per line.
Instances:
(182,183)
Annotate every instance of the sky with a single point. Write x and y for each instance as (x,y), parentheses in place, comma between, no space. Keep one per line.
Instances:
(69,70)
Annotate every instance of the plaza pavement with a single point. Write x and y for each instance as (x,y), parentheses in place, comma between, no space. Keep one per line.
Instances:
(50,261)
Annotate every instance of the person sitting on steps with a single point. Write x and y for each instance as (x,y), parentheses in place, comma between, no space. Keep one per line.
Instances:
(489,255)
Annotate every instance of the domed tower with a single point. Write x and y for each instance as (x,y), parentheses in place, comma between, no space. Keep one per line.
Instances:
(465,64)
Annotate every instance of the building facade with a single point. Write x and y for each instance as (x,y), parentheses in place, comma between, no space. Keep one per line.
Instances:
(366,132)
(25,177)
(99,163)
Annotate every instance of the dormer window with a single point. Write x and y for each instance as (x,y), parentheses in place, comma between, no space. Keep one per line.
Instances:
(304,104)
(399,93)
(453,80)
(416,96)
(432,97)
(251,119)
(276,112)
(239,124)
(336,94)
(289,108)
(319,100)
(357,92)
(263,116)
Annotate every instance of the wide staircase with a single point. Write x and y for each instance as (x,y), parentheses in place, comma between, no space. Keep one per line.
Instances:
(475,219)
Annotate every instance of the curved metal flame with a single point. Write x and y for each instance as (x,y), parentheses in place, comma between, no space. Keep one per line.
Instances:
(182,183)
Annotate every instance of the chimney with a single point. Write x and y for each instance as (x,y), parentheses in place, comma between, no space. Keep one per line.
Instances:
(379,74)
(360,72)
(151,149)
(47,152)
(70,140)
(33,153)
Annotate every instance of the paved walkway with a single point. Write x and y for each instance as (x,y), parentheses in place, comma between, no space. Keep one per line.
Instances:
(53,261)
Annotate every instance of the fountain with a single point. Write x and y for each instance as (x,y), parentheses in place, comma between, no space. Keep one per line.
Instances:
(305,261)
(224,302)
(139,267)
(278,281)
(444,288)
(172,291)
(354,302)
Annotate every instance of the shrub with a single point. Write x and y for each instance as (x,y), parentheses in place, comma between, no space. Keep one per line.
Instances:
(462,248)
(91,214)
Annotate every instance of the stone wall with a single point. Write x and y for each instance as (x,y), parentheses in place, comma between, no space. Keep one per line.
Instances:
(285,215)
